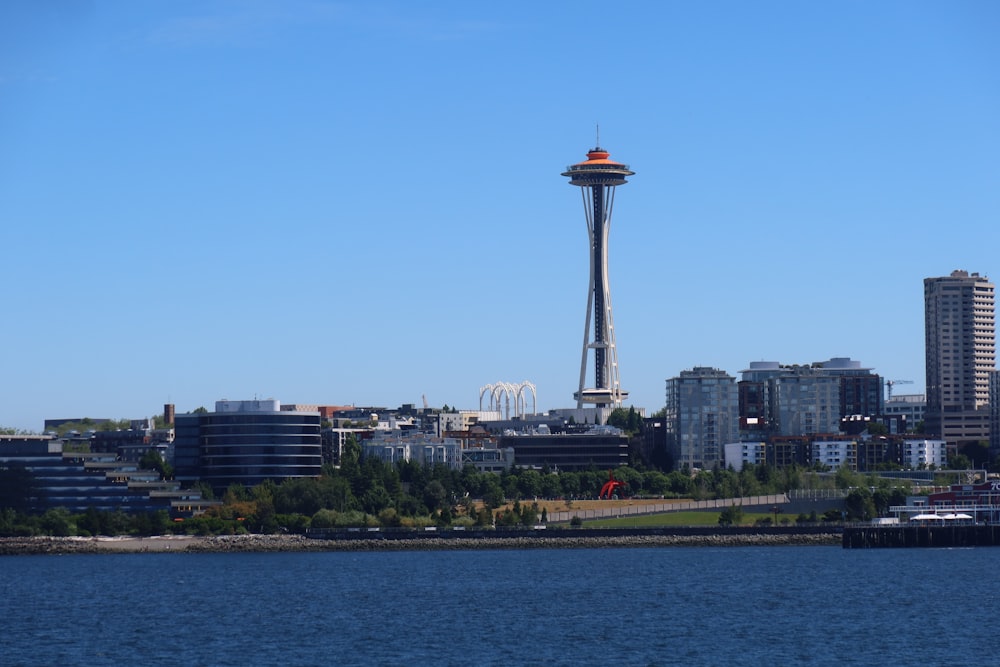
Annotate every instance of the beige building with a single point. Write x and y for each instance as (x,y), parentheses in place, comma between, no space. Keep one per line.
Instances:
(960,354)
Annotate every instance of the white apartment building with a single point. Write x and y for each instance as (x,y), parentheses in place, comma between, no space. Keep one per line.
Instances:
(739,454)
(925,453)
(836,453)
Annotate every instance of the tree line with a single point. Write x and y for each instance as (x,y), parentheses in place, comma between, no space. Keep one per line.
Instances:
(370,492)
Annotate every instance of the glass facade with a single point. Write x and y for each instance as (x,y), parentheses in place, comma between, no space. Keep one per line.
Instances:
(701,417)
(247,447)
(568,452)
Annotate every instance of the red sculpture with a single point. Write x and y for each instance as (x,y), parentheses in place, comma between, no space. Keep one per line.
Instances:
(610,486)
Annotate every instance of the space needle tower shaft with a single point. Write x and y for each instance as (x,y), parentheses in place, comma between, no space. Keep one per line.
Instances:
(597,178)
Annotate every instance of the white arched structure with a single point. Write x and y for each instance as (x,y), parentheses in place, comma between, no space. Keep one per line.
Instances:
(502,393)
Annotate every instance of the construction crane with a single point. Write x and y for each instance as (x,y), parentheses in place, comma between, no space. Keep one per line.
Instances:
(889,385)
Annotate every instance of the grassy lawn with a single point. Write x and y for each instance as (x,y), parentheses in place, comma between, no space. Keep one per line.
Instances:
(681,519)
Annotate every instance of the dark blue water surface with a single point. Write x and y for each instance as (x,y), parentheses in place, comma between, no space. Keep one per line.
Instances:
(656,606)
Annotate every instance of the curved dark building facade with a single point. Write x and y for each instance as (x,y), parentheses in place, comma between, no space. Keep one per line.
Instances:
(247,442)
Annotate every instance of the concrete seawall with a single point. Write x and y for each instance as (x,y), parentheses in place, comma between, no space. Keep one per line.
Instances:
(520,539)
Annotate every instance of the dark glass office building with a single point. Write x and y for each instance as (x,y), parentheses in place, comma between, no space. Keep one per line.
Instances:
(247,442)
(601,448)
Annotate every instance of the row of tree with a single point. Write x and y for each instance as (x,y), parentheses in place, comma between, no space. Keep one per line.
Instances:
(371,492)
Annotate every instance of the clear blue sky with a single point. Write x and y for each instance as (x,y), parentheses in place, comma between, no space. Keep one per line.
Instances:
(361,202)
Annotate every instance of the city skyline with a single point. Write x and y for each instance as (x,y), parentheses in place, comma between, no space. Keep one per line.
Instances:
(302,200)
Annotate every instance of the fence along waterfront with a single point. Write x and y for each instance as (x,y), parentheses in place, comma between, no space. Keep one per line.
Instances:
(661,508)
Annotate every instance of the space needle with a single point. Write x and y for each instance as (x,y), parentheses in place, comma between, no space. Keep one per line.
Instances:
(597,178)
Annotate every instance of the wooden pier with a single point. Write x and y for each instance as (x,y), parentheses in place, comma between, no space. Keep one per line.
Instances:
(934,536)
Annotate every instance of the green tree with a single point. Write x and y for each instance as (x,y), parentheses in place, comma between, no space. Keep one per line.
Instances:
(731,515)
(152,460)
(205,490)
(845,478)
(529,514)
(977,452)
(883,498)
(508,518)
(618,418)
(654,482)
(632,478)
(570,484)
(493,496)
(9,430)
(114,425)
(680,484)
(236,493)
(90,522)
(960,462)
(376,499)
(877,428)
(435,495)
(324,519)
(301,495)
(389,518)
(263,496)
(551,485)
(510,485)
(529,484)
(58,522)
(444,517)
(336,494)
(860,505)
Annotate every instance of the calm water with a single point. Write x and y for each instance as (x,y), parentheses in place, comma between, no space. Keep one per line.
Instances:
(659,606)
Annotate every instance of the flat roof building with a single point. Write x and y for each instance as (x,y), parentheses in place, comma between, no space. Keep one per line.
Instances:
(960,354)
(247,442)
(701,416)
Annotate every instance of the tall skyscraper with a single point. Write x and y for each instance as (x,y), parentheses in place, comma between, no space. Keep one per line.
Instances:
(960,354)
(597,178)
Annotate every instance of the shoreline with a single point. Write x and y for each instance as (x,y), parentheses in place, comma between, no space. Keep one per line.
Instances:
(186,544)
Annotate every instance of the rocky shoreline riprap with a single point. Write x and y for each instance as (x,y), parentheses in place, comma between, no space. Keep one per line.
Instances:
(300,543)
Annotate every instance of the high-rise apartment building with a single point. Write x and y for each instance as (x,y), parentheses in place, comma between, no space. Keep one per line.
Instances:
(701,417)
(960,355)
(807,399)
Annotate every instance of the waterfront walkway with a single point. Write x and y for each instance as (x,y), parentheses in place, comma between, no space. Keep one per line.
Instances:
(760,503)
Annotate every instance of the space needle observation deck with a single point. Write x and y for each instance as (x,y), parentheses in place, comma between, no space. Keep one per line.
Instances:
(597,177)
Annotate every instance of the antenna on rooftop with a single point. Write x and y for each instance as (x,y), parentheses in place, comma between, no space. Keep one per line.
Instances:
(598,126)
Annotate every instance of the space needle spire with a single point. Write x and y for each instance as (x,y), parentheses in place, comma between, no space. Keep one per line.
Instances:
(597,177)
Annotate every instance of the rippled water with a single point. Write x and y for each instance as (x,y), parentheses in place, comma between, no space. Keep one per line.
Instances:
(656,606)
